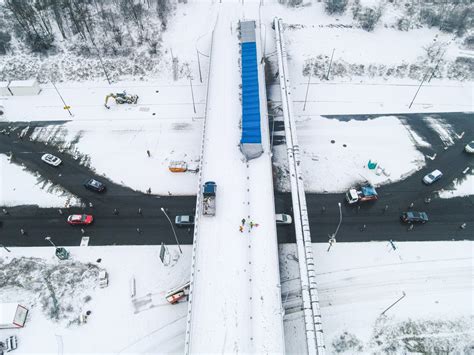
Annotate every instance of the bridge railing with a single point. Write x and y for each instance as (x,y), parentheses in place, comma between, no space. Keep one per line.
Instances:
(187,343)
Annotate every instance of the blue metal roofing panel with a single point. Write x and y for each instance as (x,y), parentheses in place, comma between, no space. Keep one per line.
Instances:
(251,132)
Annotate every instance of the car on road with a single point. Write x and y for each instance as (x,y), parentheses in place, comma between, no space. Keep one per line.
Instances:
(414,217)
(94,185)
(283,219)
(51,159)
(432,177)
(469,148)
(80,219)
(184,221)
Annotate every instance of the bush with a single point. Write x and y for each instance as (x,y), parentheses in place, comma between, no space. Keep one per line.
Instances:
(335,6)
(449,18)
(5,39)
(39,44)
(368,17)
(403,24)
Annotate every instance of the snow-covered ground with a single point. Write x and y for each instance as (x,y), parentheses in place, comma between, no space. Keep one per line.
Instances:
(312,36)
(118,150)
(57,293)
(19,186)
(356,282)
(336,153)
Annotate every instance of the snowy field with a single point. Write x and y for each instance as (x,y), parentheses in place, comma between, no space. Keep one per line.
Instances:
(336,153)
(58,293)
(19,186)
(312,36)
(356,283)
(118,150)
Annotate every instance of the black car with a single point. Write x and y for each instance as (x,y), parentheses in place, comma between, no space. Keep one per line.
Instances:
(414,217)
(94,185)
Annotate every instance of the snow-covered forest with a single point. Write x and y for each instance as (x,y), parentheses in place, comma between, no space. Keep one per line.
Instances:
(74,40)
(68,39)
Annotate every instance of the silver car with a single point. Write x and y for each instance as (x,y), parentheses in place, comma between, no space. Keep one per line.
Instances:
(51,159)
(184,221)
(283,219)
(432,177)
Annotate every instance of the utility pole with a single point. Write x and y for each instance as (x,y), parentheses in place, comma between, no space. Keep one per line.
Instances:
(393,304)
(4,247)
(419,87)
(330,64)
(199,65)
(102,64)
(307,90)
(66,107)
(192,93)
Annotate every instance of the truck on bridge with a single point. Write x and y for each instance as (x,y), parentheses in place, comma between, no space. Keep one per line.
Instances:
(363,193)
(209,198)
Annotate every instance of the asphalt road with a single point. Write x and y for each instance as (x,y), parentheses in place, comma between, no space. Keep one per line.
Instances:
(446,215)
(107,228)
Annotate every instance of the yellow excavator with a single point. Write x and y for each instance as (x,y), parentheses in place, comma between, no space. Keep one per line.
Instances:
(121,98)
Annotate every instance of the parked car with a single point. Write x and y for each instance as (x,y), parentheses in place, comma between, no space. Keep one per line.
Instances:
(80,219)
(414,217)
(283,219)
(469,148)
(184,221)
(51,159)
(432,177)
(94,185)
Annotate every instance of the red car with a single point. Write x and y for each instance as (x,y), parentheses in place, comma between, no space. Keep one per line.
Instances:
(80,219)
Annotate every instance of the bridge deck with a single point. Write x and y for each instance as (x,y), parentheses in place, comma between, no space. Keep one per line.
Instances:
(236,304)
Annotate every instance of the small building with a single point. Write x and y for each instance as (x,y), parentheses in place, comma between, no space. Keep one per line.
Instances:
(12,315)
(24,87)
(4,88)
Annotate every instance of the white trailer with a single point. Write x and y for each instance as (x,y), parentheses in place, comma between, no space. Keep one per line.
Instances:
(24,87)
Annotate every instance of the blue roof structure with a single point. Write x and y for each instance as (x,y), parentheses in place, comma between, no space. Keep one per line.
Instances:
(250,95)
(251,140)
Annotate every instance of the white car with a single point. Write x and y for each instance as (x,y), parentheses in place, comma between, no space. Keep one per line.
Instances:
(283,219)
(469,148)
(51,159)
(432,177)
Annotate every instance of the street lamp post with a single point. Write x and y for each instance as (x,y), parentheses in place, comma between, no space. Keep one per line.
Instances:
(172,227)
(49,240)
(61,253)
(332,238)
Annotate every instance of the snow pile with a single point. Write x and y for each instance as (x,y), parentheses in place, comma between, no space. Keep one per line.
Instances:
(20,187)
(461,187)
(336,153)
(357,282)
